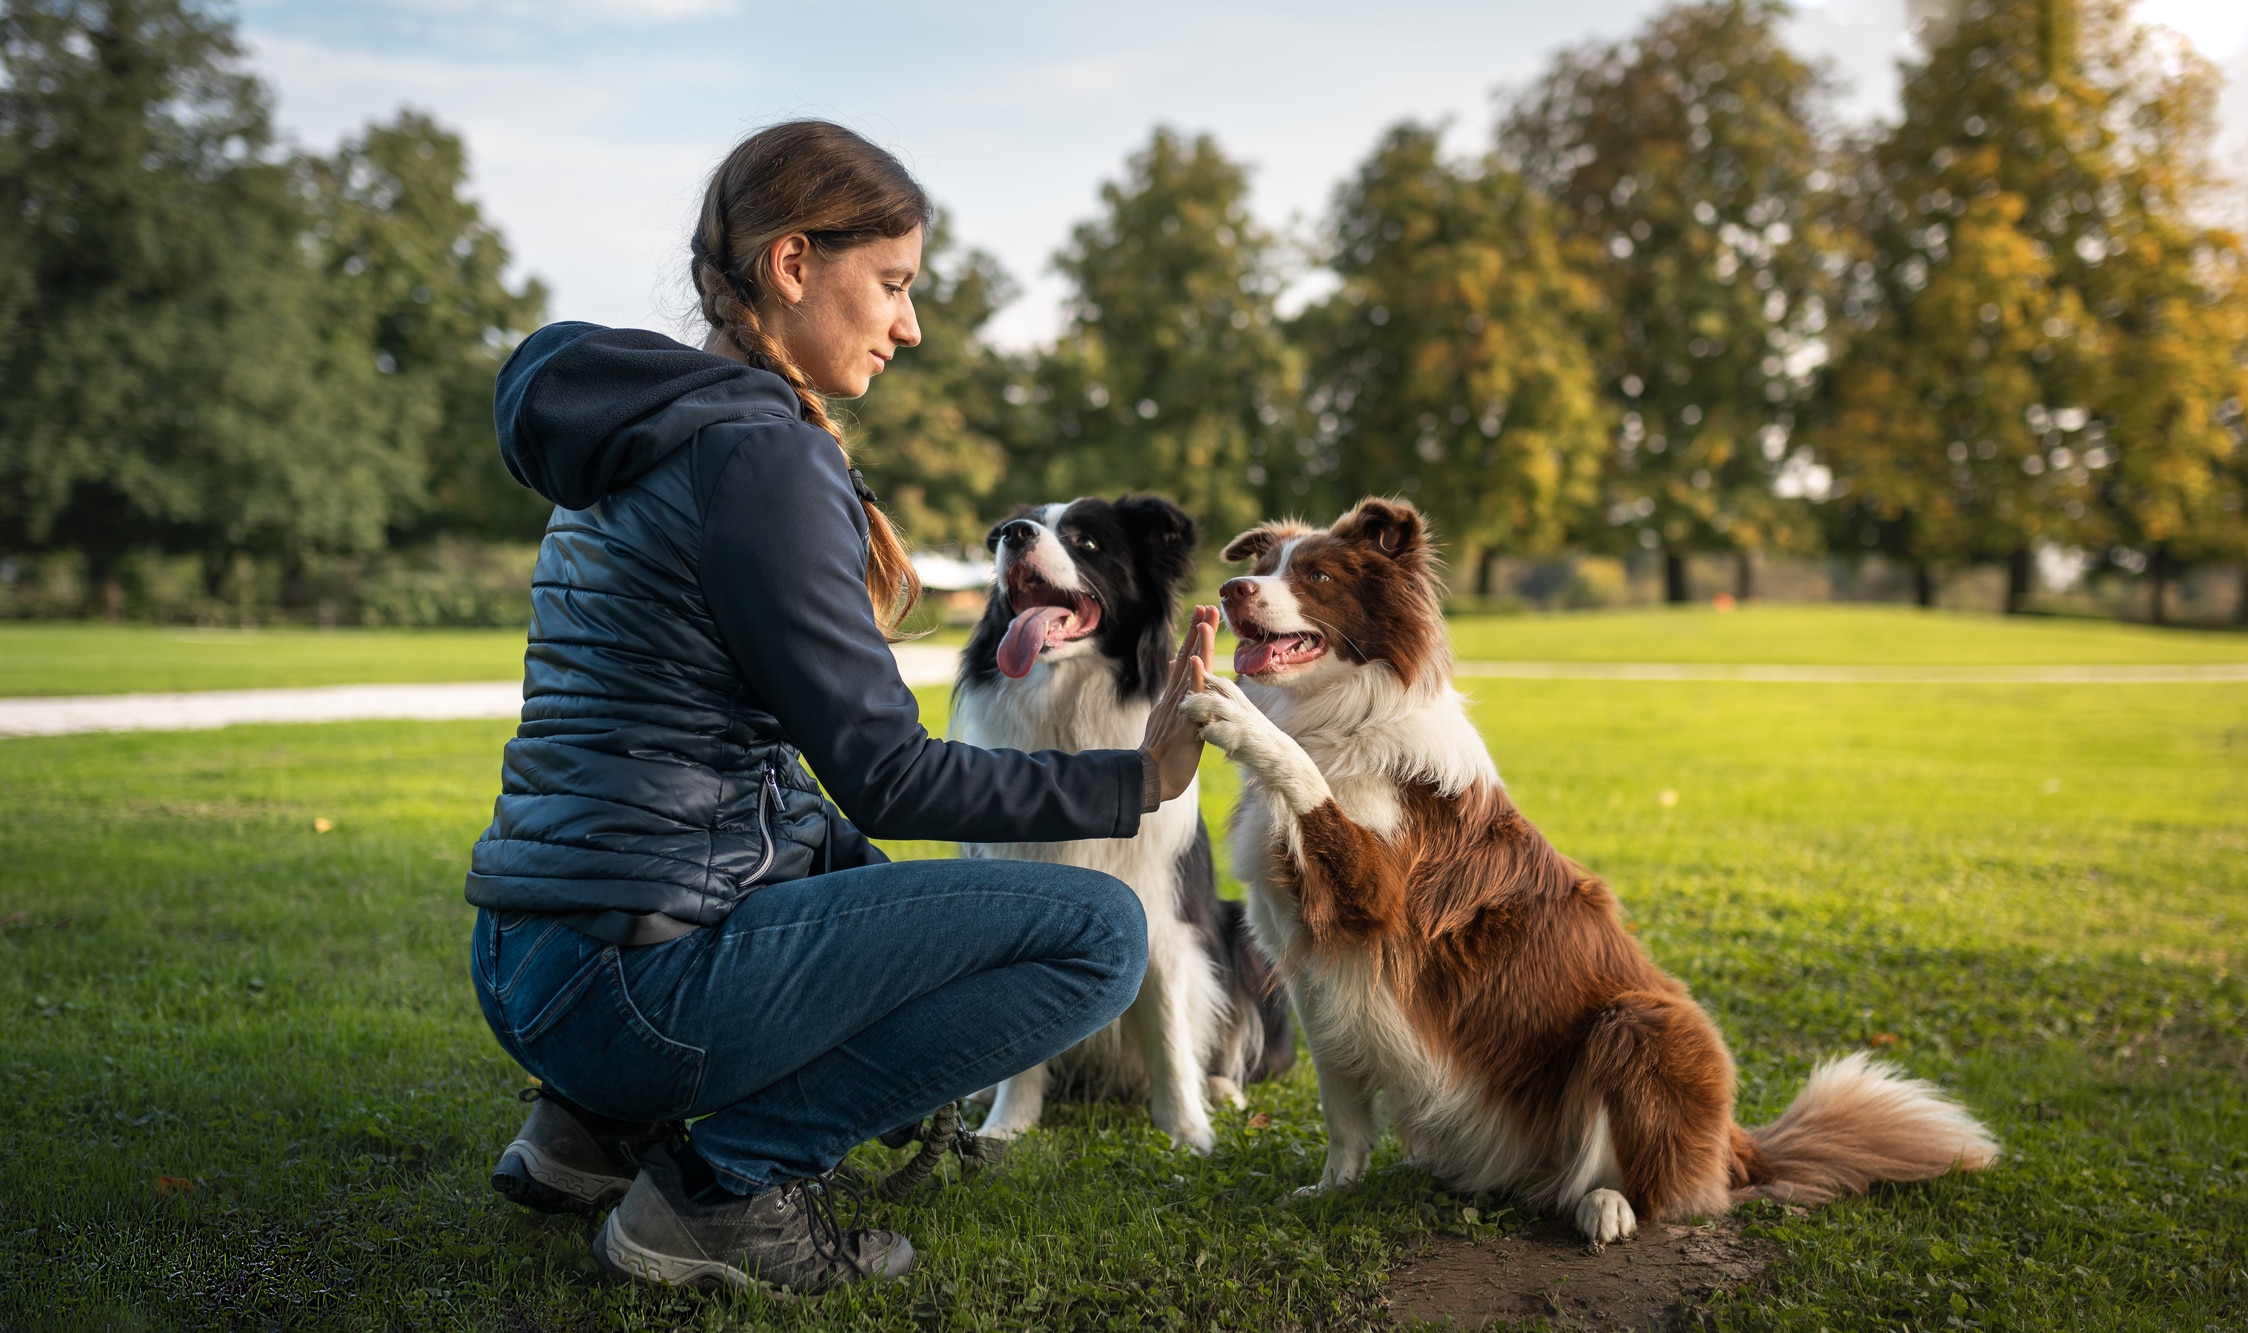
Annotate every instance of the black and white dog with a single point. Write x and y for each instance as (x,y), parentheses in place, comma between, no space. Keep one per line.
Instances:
(1070,655)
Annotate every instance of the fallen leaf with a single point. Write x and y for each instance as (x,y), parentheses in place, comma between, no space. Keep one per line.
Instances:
(170,1185)
(1882,1039)
(1260,1120)
(321,825)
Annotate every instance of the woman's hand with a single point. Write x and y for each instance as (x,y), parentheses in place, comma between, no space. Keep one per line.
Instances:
(1174,743)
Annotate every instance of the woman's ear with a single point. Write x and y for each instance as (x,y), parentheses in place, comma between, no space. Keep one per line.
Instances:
(788,265)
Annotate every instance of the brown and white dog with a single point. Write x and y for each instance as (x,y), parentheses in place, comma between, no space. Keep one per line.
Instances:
(1443,955)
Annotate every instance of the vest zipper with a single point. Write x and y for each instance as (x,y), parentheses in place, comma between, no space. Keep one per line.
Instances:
(765,799)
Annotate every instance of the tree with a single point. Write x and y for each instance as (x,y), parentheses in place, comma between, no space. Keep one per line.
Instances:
(413,280)
(1450,364)
(1172,374)
(1688,175)
(936,424)
(166,374)
(2045,341)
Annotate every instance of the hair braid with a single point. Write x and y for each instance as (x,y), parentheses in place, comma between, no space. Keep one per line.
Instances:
(729,268)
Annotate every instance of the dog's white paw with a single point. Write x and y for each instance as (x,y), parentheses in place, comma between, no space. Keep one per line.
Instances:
(1605,1215)
(1225,1090)
(1223,712)
(1199,1140)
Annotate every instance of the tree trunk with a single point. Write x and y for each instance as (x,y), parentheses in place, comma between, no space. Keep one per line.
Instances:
(1923,584)
(2240,608)
(1486,570)
(1674,578)
(2158,570)
(1744,577)
(2017,581)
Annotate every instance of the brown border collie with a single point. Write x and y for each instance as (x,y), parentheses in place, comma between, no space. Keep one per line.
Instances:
(1443,955)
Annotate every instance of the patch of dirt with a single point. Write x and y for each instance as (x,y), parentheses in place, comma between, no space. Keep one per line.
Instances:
(1548,1275)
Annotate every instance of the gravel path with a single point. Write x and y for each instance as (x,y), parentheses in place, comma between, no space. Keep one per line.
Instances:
(931,664)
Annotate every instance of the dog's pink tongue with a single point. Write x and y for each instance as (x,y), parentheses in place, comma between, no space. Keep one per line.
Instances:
(1251,656)
(1018,651)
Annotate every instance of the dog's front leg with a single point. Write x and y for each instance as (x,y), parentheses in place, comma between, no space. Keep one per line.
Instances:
(1229,721)
(1348,882)
(1018,1105)
(1162,1018)
(1346,1102)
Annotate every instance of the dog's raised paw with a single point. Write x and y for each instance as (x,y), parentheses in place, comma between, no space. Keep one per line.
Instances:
(1604,1216)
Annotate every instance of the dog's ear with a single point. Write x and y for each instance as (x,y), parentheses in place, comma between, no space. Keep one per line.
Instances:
(1162,532)
(1251,544)
(1392,527)
(991,538)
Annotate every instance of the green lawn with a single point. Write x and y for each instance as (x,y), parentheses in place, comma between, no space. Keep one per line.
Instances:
(68,658)
(2040,892)
(1833,633)
(48,658)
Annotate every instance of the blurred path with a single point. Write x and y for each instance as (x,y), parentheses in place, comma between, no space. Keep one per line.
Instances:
(933,664)
(920,664)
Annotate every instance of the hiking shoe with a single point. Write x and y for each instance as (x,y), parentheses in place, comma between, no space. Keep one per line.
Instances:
(785,1237)
(565,1160)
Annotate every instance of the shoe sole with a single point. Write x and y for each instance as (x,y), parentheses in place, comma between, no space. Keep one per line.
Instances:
(620,1256)
(530,1178)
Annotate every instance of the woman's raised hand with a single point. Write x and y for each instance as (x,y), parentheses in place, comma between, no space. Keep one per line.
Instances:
(1174,743)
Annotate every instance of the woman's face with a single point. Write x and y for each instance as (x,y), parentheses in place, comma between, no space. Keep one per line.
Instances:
(841,317)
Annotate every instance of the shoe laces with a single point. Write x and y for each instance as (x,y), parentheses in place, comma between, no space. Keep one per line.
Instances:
(814,1200)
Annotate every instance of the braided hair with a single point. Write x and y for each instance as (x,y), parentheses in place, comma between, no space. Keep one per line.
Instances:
(836,188)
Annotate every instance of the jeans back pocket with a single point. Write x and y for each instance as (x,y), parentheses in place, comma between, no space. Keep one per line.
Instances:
(595,1046)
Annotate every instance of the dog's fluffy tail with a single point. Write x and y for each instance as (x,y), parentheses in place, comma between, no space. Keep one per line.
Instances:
(1855,1122)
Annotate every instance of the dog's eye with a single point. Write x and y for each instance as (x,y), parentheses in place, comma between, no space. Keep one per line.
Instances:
(1084,543)
(1318,576)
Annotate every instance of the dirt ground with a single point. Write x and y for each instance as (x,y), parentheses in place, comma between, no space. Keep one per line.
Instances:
(1547,1274)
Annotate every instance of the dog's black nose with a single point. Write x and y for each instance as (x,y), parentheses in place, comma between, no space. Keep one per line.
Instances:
(1019,531)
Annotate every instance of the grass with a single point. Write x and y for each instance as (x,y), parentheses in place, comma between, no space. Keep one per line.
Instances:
(2040,893)
(75,658)
(1833,634)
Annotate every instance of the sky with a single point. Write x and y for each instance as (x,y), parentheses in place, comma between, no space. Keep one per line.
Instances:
(592,124)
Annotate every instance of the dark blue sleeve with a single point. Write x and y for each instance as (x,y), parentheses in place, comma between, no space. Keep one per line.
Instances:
(783,572)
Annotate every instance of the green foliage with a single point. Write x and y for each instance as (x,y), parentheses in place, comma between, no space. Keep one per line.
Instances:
(935,424)
(1172,376)
(1451,364)
(2045,345)
(1684,164)
(164,325)
(198,337)
(414,275)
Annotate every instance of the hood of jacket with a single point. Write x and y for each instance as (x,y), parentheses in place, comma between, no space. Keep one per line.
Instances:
(584,410)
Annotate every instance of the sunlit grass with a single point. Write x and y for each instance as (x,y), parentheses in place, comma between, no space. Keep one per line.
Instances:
(40,658)
(2039,893)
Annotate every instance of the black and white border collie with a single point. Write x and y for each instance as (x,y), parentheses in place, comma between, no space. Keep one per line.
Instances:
(1444,957)
(1070,655)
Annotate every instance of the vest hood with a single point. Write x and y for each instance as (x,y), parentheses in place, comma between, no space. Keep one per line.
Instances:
(584,410)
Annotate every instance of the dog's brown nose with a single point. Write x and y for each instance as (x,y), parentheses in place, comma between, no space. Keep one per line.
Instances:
(1236,592)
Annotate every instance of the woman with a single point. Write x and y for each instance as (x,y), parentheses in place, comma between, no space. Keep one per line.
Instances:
(674,922)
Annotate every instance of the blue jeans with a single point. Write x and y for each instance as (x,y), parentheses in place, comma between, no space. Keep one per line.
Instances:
(824,1011)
